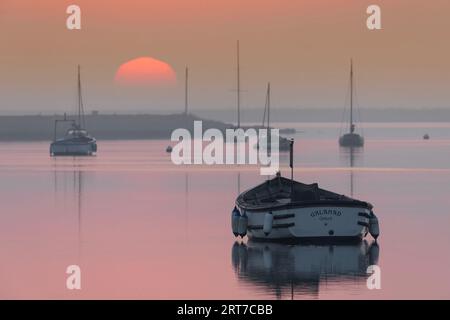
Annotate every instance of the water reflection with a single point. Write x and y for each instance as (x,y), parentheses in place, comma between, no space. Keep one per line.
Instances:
(290,270)
(351,157)
(69,193)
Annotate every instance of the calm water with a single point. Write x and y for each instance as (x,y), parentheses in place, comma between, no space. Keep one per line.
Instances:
(140,227)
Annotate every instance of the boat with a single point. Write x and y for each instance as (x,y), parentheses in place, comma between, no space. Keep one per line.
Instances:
(284,209)
(351,139)
(76,141)
(169,149)
(266,141)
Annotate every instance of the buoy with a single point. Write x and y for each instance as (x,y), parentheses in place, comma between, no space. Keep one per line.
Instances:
(169,149)
(235,214)
(426,136)
(374,228)
(242,225)
(268,222)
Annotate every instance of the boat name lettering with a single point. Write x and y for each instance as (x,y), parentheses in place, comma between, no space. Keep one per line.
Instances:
(326,212)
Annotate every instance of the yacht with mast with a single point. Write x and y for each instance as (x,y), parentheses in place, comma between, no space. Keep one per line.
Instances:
(283,143)
(351,139)
(77,141)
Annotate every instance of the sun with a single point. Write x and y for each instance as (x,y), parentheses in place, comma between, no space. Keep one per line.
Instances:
(145,71)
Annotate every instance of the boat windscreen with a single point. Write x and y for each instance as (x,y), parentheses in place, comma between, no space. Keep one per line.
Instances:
(77,132)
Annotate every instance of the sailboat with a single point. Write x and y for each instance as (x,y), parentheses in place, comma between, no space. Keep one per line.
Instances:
(169,148)
(77,141)
(283,144)
(351,139)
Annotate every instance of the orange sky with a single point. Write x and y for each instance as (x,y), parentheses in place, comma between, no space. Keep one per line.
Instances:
(302,47)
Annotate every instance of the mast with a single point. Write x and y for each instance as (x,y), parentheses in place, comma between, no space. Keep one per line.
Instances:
(268,106)
(238,97)
(352,127)
(186,92)
(80,101)
(291,164)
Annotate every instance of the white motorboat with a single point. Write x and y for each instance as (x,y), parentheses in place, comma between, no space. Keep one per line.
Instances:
(284,209)
(76,141)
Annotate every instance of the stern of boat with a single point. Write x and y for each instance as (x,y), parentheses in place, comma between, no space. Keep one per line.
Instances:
(310,223)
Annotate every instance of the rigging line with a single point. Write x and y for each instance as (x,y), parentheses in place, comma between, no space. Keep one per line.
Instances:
(358,110)
(344,110)
(82,110)
(82,105)
(265,110)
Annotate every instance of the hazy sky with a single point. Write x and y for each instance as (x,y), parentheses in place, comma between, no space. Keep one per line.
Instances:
(302,46)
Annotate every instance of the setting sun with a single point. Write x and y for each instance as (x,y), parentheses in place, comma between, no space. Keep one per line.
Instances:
(145,71)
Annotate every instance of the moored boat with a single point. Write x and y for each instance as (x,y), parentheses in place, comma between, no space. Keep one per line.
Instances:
(76,141)
(351,139)
(265,142)
(281,209)
(284,209)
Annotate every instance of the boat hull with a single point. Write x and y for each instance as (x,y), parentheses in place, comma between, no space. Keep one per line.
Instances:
(73,149)
(351,140)
(311,223)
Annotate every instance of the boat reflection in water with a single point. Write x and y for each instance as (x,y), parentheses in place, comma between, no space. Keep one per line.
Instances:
(285,270)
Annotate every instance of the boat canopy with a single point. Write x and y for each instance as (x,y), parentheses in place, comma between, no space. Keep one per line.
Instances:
(279,192)
(76,132)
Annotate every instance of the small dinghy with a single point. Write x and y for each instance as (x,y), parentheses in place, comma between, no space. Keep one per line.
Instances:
(284,209)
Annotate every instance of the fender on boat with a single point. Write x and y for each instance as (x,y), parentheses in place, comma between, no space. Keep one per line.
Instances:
(374,227)
(242,225)
(235,214)
(268,223)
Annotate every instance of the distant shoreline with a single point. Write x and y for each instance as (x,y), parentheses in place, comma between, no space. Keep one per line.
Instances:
(103,127)
(254,115)
(157,126)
